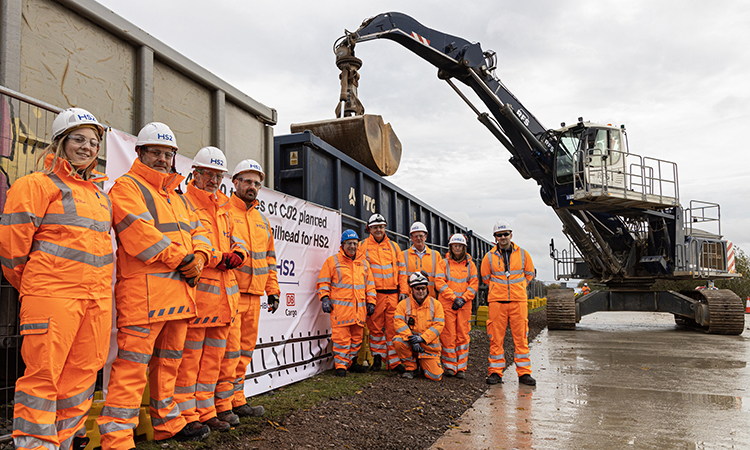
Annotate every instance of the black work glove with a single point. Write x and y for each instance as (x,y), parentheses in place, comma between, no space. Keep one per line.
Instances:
(229,261)
(370,309)
(327,305)
(273,303)
(458,303)
(415,340)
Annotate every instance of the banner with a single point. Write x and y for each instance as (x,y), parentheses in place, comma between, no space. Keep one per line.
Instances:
(294,343)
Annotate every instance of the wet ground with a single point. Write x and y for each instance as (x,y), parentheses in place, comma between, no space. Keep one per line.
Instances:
(621,380)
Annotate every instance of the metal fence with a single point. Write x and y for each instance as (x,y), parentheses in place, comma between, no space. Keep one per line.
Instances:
(25,125)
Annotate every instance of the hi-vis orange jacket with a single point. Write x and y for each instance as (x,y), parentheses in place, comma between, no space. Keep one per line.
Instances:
(54,233)
(349,284)
(429,321)
(155,229)
(387,264)
(258,272)
(217,293)
(427,262)
(456,279)
(507,285)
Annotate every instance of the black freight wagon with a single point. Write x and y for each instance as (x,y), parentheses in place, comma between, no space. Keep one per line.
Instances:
(309,168)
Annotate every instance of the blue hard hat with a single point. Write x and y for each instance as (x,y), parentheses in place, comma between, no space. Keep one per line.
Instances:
(349,234)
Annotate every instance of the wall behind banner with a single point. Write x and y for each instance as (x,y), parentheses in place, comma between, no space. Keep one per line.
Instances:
(293,344)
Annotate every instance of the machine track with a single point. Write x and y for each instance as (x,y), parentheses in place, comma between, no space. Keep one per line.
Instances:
(725,310)
(561,309)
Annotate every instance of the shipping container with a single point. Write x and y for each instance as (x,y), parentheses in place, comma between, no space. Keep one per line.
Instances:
(307,167)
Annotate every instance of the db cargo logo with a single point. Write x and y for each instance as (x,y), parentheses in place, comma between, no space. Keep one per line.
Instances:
(289,299)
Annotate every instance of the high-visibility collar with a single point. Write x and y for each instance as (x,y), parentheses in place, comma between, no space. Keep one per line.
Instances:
(347,258)
(158,180)
(206,199)
(63,168)
(239,203)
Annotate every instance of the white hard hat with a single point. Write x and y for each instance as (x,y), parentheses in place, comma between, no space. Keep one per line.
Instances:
(156,133)
(417,279)
(418,226)
(457,238)
(376,219)
(211,158)
(501,225)
(72,118)
(249,165)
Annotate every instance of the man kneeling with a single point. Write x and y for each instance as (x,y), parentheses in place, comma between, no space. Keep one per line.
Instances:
(418,322)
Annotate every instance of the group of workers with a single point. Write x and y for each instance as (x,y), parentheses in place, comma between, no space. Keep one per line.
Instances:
(417,304)
(191,269)
(189,276)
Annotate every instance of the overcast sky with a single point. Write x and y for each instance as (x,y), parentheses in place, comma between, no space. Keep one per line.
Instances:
(675,73)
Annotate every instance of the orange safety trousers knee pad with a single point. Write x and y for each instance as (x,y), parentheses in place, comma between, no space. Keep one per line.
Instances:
(156,348)
(430,365)
(347,341)
(199,372)
(65,344)
(500,315)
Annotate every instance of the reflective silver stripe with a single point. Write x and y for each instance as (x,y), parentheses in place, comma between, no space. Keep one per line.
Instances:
(34,402)
(272,267)
(462,347)
(324,280)
(140,358)
(172,414)
(261,270)
(399,316)
(72,254)
(75,400)
(69,423)
(111,427)
(209,288)
(177,276)
(203,239)
(445,358)
(497,365)
(470,289)
(68,203)
(372,294)
(246,353)
(184,389)
(341,303)
(155,249)
(187,405)
(160,404)
(20,218)
(378,266)
(216,343)
(231,290)
(523,363)
(437,333)
(137,329)
(225,394)
(431,375)
(204,403)
(497,356)
(130,219)
(271,254)
(260,255)
(77,221)
(245,269)
(231,355)
(348,286)
(33,442)
(205,387)
(34,326)
(521,355)
(11,263)
(168,354)
(382,275)
(402,329)
(37,429)
(437,319)
(237,240)
(193,345)
(119,413)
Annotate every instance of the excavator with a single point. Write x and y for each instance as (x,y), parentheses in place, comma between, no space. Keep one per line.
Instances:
(619,210)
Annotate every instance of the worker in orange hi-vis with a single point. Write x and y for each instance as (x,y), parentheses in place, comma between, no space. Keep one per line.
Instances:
(507,269)
(217,294)
(389,271)
(419,321)
(585,289)
(420,257)
(162,249)
(457,283)
(56,251)
(347,292)
(256,276)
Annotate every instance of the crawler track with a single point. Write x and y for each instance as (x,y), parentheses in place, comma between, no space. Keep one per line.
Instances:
(725,310)
(561,309)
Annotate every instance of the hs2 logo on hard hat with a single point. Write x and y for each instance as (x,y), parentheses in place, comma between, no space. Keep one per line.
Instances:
(217,161)
(166,137)
(86,117)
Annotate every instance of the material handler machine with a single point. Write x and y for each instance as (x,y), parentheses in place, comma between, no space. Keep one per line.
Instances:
(620,211)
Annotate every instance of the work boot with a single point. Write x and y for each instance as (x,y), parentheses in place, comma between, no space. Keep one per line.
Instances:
(408,374)
(194,431)
(229,417)
(79,443)
(249,411)
(460,375)
(377,361)
(216,424)
(449,372)
(494,379)
(527,380)
(357,368)
(400,369)
(340,372)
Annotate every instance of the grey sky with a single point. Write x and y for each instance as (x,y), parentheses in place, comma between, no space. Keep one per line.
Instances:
(676,73)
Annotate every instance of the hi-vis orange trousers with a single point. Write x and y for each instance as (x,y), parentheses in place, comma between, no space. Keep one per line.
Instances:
(243,334)
(65,343)
(380,342)
(347,341)
(454,339)
(199,372)
(136,345)
(500,314)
